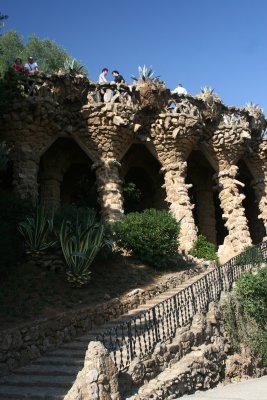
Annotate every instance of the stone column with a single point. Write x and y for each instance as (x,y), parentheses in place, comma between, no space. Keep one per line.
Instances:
(233,213)
(109,187)
(180,205)
(25,174)
(206,215)
(260,187)
(50,191)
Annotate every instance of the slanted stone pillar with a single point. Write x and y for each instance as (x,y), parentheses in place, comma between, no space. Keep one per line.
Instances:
(206,215)
(260,187)
(109,187)
(180,205)
(233,213)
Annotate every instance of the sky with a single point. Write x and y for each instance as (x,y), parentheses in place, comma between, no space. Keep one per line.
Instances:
(217,43)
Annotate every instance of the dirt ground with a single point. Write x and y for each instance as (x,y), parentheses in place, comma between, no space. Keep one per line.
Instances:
(32,292)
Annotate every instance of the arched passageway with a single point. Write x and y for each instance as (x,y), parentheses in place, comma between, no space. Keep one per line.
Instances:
(250,203)
(142,180)
(207,211)
(65,176)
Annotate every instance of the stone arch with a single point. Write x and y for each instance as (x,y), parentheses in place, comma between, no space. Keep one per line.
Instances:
(140,167)
(204,196)
(65,175)
(250,203)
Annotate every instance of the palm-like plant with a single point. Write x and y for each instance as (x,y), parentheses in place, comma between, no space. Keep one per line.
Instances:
(80,243)
(144,74)
(37,232)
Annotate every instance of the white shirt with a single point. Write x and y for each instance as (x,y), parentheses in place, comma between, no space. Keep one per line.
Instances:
(31,66)
(102,78)
(179,90)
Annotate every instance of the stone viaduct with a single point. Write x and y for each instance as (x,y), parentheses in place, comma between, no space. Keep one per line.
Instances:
(204,161)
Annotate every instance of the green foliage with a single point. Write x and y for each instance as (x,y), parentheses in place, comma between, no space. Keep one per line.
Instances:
(132,197)
(48,54)
(80,243)
(144,74)
(246,313)
(151,235)
(203,249)
(251,289)
(251,255)
(12,212)
(12,87)
(37,232)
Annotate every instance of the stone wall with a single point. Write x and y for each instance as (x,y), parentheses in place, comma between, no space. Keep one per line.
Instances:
(20,345)
(199,357)
(104,121)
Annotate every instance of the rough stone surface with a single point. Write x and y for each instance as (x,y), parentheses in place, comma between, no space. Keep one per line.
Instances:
(103,127)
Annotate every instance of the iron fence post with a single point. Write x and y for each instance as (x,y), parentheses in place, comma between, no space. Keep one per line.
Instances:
(130,338)
(155,324)
(193,299)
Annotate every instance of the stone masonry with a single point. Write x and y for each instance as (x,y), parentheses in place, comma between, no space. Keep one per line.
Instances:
(70,122)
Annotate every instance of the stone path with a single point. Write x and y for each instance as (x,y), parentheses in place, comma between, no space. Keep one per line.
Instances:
(52,375)
(252,389)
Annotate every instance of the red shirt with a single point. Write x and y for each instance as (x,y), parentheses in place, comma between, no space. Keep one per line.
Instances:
(18,67)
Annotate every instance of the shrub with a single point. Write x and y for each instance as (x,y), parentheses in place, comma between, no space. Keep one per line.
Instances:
(132,197)
(80,242)
(246,316)
(251,255)
(204,249)
(151,235)
(251,289)
(12,212)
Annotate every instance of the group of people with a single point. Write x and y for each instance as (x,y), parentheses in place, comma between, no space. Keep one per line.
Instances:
(30,67)
(118,78)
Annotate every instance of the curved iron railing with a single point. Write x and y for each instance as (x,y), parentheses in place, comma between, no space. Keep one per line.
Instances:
(138,336)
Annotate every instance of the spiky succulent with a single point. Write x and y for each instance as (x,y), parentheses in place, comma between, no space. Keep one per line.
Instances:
(144,73)
(207,89)
(250,106)
(73,66)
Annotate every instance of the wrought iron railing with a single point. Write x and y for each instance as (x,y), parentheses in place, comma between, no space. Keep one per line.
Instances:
(138,336)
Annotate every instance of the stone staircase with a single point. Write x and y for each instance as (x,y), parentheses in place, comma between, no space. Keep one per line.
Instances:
(51,376)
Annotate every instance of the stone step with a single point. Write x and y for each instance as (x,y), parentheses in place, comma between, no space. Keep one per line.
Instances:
(75,345)
(49,370)
(38,380)
(62,353)
(59,361)
(32,393)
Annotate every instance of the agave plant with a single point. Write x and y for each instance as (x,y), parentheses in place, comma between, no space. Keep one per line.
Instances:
(250,106)
(207,90)
(73,66)
(144,74)
(80,243)
(37,232)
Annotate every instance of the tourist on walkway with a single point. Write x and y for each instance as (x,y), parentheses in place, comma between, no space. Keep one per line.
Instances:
(118,78)
(31,67)
(102,77)
(18,66)
(179,90)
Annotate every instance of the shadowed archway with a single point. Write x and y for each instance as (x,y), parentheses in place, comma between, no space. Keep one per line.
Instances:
(65,176)
(142,180)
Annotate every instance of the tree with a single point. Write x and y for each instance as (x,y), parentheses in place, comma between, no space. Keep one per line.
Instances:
(48,54)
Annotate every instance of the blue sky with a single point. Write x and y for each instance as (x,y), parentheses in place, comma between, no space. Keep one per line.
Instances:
(220,43)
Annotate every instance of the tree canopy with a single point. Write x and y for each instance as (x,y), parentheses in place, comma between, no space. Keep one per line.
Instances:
(47,53)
